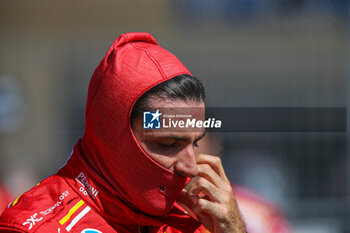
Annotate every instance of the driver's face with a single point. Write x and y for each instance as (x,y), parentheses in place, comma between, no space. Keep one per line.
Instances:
(172,150)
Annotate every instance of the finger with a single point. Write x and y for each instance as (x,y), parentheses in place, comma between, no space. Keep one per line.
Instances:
(214,162)
(204,186)
(204,207)
(206,171)
(187,200)
(205,218)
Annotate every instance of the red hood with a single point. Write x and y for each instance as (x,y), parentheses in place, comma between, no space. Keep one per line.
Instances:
(133,64)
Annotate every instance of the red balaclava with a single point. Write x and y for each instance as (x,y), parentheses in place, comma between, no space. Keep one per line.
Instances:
(133,65)
(108,157)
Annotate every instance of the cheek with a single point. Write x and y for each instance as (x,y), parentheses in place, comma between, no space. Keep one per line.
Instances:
(165,161)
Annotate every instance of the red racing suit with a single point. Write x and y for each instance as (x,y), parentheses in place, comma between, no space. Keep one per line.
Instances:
(109,183)
(65,202)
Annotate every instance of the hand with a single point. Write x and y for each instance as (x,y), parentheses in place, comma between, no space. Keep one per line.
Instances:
(211,198)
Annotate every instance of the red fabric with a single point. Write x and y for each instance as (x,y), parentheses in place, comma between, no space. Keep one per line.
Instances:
(108,169)
(42,209)
(80,176)
(133,64)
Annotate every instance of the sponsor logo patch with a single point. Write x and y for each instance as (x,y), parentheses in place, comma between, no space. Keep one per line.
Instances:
(32,220)
(57,204)
(88,187)
(90,230)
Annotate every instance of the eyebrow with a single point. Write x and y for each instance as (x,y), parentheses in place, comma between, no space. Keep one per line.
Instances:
(180,138)
(202,136)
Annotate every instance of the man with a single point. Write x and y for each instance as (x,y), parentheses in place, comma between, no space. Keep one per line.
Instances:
(121,178)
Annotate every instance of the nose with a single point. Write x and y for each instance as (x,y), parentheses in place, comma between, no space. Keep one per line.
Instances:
(186,164)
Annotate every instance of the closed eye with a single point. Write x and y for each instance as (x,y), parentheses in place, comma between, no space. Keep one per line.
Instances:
(164,144)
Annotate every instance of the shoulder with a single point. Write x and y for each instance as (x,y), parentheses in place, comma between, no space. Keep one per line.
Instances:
(37,209)
(52,206)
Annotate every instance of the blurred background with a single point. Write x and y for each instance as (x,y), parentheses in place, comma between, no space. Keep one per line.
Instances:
(249,53)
